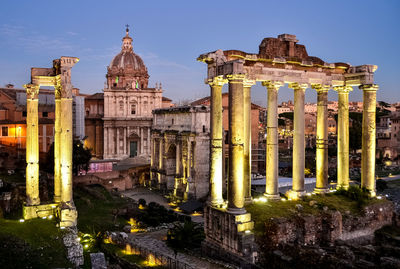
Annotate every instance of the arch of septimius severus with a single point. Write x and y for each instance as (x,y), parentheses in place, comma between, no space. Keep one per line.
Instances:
(59,77)
(280,61)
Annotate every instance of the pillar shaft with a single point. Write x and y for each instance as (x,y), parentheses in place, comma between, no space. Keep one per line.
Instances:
(298,141)
(322,139)
(236,140)
(343,137)
(216,142)
(32,145)
(57,140)
(247,139)
(368,138)
(272,158)
(66,145)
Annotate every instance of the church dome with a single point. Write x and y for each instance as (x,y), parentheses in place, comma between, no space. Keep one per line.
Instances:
(128,59)
(127,69)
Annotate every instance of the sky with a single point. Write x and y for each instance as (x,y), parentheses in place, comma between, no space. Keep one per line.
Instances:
(170,35)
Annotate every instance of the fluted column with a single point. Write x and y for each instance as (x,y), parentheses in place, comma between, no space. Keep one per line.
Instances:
(66,145)
(247,139)
(368,138)
(322,139)
(343,137)
(216,144)
(236,140)
(272,158)
(32,145)
(57,137)
(298,141)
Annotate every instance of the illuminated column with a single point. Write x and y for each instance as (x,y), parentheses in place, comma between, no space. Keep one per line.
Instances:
(236,140)
(322,139)
(368,138)
(177,165)
(298,141)
(66,143)
(272,161)
(189,158)
(57,137)
(216,141)
(343,137)
(247,139)
(32,145)
(160,158)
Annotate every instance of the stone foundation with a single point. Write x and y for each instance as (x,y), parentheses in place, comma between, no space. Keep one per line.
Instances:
(328,226)
(68,216)
(228,236)
(39,211)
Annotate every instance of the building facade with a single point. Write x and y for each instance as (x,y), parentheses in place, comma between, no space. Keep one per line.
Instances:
(128,103)
(181,148)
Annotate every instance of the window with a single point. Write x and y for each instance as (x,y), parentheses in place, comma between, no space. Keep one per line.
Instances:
(4,131)
(45,114)
(121,105)
(24,114)
(133,109)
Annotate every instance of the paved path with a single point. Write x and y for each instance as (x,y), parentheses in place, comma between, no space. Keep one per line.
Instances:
(158,247)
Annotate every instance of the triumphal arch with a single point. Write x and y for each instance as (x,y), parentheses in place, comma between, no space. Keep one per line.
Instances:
(59,77)
(279,61)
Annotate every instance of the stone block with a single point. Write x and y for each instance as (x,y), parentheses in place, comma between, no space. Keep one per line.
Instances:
(98,260)
(38,211)
(68,217)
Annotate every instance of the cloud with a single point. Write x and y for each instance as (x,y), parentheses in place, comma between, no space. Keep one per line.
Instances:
(152,59)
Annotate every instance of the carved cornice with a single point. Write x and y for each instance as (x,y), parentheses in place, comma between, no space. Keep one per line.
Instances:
(248,83)
(369,87)
(32,91)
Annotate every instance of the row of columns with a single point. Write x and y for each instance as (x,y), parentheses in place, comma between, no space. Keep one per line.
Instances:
(239,182)
(63,137)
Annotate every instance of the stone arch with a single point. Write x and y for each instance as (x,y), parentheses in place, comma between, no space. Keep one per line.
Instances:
(170,160)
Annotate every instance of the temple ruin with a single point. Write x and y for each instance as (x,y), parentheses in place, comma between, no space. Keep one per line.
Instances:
(279,61)
(59,77)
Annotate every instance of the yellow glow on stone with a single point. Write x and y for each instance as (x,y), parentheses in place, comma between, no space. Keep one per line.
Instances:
(151,260)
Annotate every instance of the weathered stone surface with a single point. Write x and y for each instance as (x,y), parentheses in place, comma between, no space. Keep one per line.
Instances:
(98,260)
(389,262)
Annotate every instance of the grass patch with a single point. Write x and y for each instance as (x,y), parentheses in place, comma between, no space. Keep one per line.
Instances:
(96,209)
(32,244)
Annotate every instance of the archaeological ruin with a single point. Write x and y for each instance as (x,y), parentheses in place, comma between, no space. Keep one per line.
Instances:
(59,77)
(279,61)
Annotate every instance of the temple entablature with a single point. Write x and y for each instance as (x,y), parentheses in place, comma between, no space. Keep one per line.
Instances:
(284,60)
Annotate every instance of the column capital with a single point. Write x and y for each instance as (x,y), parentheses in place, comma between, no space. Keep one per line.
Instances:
(272,84)
(369,87)
(320,87)
(343,89)
(217,81)
(248,82)
(236,78)
(298,86)
(32,91)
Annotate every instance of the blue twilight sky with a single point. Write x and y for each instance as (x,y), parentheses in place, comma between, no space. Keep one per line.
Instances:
(169,35)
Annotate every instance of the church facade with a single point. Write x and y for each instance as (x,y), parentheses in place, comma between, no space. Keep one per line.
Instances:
(128,105)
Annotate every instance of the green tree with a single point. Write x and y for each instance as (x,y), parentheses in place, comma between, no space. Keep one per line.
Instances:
(80,158)
(187,235)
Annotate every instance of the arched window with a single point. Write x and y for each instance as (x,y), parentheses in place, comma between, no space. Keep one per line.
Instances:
(133,109)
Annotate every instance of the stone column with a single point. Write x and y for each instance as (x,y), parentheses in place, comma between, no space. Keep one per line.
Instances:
(32,145)
(272,161)
(118,143)
(177,166)
(343,137)
(160,157)
(368,154)
(57,137)
(189,159)
(66,145)
(148,141)
(216,144)
(236,140)
(124,148)
(322,139)
(105,142)
(298,141)
(247,139)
